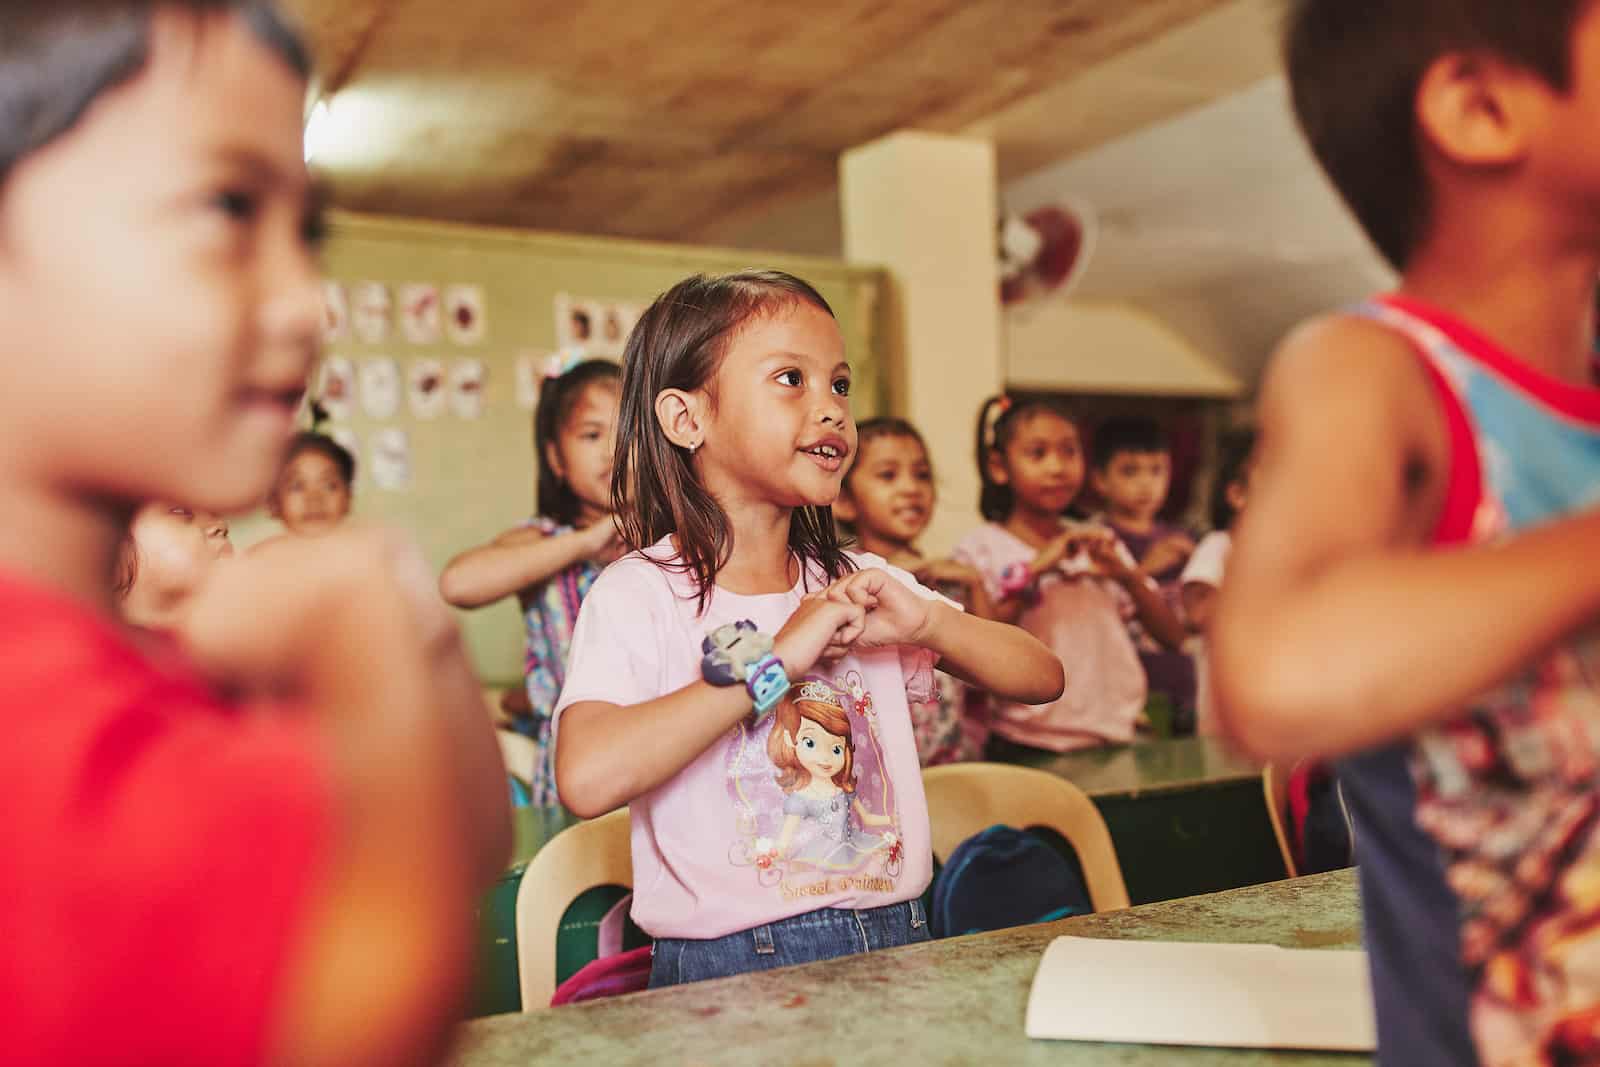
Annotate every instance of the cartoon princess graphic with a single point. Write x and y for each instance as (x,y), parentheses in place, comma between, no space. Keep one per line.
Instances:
(813,756)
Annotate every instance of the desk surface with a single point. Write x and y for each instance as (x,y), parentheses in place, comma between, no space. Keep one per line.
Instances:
(1148,766)
(955,1001)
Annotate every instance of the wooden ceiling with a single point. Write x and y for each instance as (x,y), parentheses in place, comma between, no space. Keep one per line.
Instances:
(665,119)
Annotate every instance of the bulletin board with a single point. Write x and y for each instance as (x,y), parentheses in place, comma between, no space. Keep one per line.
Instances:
(438,336)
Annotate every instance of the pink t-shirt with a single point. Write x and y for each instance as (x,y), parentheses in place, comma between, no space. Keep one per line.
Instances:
(1083,620)
(747,834)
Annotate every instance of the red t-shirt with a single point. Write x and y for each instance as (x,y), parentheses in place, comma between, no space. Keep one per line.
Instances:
(158,846)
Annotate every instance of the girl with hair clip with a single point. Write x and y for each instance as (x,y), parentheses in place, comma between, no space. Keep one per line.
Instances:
(751,852)
(1071,584)
(550,562)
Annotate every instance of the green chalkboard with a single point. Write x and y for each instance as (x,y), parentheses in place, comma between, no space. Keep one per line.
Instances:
(473,478)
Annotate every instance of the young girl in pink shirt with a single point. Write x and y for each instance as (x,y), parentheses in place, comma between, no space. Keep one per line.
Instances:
(1070,584)
(750,850)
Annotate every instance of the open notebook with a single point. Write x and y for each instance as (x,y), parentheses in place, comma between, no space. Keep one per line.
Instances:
(1180,993)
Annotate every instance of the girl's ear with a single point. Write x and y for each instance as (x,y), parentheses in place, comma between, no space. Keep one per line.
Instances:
(1236,494)
(998,474)
(1098,481)
(681,415)
(552,456)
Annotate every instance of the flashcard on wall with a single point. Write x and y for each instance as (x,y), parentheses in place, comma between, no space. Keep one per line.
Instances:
(613,331)
(335,313)
(419,313)
(425,388)
(529,372)
(595,313)
(336,387)
(574,326)
(369,312)
(466,388)
(465,314)
(391,460)
(379,379)
(346,439)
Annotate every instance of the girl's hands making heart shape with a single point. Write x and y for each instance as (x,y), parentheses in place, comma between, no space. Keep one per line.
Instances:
(894,614)
(820,630)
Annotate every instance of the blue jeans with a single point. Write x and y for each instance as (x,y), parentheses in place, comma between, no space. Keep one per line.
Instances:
(817,935)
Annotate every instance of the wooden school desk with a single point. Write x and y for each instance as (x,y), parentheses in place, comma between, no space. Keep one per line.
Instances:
(1187,814)
(960,1000)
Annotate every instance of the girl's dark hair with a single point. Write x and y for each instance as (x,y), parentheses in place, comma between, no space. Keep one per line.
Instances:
(679,343)
(557,398)
(1355,67)
(1233,457)
(57,57)
(998,420)
(311,441)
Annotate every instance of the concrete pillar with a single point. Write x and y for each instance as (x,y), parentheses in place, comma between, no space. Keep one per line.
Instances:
(923,205)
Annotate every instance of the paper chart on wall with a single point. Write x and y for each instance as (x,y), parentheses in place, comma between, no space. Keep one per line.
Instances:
(379,379)
(425,388)
(467,381)
(335,313)
(419,313)
(466,316)
(391,460)
(370,312)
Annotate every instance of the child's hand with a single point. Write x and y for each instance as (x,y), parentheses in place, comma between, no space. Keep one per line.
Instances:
(1074,538)
(1171,551)
(1107,556)
(820,630)
(251,625)
(895,615)
(605,544)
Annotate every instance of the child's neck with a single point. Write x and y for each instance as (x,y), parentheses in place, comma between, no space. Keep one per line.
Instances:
(1534,296)
(1133,523)
(588,515)
(889,548)
(1031,526)
(761,561)
(62,542)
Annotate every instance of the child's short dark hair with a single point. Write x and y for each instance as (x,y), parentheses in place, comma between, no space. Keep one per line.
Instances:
(311,441)
(1354,70)
(1233,456)
(57,57)
(557,398)
(998,420)
(1125,434)
(882,426)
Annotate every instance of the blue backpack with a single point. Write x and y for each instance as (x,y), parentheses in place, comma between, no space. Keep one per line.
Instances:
(1003,877)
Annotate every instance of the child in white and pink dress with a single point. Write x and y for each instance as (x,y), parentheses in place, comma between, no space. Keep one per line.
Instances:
(1072,585)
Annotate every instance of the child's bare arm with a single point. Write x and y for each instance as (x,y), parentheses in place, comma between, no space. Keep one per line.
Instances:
(1336,630)
(518,559)
(1001,658)
(1199,603)
(419,792)
(1152,609)
(607,754)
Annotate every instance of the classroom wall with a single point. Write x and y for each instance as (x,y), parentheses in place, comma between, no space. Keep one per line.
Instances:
(1104,346)
(473,478)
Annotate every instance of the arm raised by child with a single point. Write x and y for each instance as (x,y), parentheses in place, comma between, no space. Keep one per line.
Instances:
(608,754)
(1152,609)
(521,558)
(1336,630)
(1003,659)
(349,628)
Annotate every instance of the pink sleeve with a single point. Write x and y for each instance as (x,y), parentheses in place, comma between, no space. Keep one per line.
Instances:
(974,553)
(915,663)
(621,637)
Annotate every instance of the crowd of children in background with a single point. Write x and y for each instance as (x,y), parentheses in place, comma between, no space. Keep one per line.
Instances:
(1412,591)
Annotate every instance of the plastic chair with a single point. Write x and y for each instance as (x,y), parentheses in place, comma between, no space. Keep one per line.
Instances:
(964,798)
(519,753)
(580,858)
(1275,784)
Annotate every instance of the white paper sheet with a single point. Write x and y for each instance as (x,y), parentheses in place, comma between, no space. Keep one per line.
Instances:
(1180,993)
